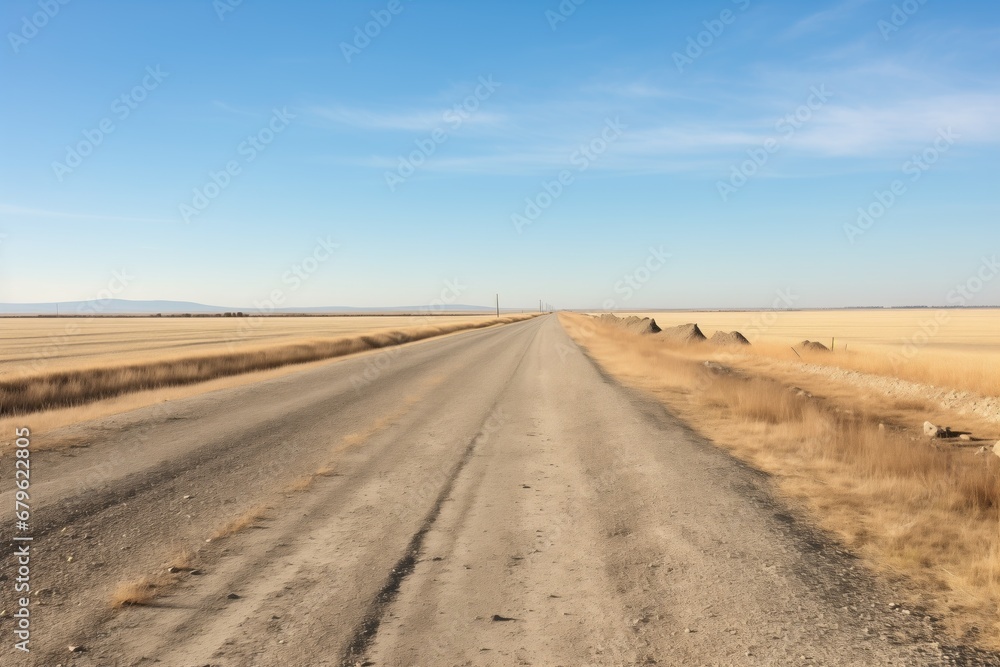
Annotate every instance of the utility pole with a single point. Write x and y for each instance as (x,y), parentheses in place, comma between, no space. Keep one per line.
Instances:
(498,305)
(539,305)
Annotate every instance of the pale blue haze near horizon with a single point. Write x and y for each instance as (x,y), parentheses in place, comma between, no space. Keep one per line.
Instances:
(875,84)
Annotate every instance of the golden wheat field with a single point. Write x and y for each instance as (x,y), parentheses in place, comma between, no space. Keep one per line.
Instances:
(956,329)
(37,345)
(67,370)
(951,348)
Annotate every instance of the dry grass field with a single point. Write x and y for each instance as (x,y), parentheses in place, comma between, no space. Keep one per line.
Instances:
(961,329)
(33,345)
(65,370)
(952,348)
(851,452)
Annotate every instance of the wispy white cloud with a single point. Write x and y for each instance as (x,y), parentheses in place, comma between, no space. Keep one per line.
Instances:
(682,142)
(837,130)
(542,162)
(880,107)
(823,19)
(14,211)
(866,131)
(228,108)
(417,120)
(633,89)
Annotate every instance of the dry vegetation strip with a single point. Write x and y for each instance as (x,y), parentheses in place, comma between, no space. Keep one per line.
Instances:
(955,349)
(964,371)
(246,520)
(36,345)
(929,513)
(71,388)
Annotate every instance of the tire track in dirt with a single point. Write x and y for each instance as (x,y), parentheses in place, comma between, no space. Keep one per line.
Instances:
(369,626)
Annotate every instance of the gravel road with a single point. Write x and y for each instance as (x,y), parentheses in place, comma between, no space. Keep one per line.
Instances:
(492,498)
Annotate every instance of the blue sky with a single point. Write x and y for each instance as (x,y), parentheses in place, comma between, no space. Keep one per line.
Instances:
(739,137)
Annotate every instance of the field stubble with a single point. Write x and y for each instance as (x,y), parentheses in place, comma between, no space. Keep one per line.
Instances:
(99,364)
(951,348)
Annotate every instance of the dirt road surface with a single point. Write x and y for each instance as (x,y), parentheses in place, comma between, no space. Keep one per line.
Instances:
(491,499)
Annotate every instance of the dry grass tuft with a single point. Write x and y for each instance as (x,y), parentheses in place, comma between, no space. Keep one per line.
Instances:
(758,400)
(242,522)
(182,560)
(137,592)
(303,483)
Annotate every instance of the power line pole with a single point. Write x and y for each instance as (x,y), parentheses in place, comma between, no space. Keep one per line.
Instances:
(498,305)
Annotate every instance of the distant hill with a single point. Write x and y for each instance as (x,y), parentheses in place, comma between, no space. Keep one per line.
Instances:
(127,307)
(108,307)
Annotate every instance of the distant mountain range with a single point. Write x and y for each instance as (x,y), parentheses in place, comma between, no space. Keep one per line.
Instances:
(128,307)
